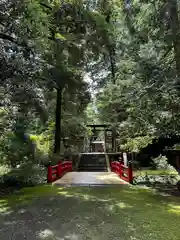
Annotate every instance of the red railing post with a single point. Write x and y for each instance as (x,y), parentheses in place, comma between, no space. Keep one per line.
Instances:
(70,166)
(59,169)
(49,175)
(130,172)
(124,172)
(120,169)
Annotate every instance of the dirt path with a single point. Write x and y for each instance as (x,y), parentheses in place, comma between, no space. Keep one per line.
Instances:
(80,213)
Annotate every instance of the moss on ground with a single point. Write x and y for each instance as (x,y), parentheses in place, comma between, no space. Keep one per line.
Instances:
(91,213)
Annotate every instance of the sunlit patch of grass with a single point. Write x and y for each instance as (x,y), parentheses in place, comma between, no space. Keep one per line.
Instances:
(2,201)
(154,172)
(29,194)
(123,205)
(174,209)
(65,193)
(71,192)
(46,234)
(4,207)
(40,190)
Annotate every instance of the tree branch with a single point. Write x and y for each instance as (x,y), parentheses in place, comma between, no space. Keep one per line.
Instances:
(13,40)
(167,52)
(46,6)
(7,37)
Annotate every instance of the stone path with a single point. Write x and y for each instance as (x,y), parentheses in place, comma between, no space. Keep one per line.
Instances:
(90,178)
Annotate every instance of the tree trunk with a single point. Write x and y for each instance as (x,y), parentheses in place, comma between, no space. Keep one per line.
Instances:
(114,139)
(112,58)
(106,10)
(57,139)
(175,28)
(113,63)
(112,55)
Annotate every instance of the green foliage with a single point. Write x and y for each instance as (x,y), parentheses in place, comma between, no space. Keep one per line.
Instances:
(4,169)
(45,46)
(144,101)
(136,144)
(28,174)
(131,51)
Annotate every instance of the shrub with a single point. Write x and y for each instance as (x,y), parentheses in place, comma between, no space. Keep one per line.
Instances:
(26,175)
(4,169)
(136,144)
(151,180)
(161,162)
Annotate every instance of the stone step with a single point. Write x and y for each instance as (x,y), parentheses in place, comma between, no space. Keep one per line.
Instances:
(93,162)
(92,170)
(90,164)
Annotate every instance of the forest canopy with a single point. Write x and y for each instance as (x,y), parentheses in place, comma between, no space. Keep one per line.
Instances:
(129,49)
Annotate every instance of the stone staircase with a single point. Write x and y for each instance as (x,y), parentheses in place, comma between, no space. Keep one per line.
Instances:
(92,162)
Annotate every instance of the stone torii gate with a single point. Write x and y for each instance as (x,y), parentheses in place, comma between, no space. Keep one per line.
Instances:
(109,136)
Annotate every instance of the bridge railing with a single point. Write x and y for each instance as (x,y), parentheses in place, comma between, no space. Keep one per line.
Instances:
(57,171)
(124,172)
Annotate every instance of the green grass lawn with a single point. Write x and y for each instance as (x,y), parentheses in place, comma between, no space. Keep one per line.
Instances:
(154,172)
(96,213)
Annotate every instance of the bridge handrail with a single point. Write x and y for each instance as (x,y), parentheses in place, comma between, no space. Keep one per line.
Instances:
(57,171)
(124,172)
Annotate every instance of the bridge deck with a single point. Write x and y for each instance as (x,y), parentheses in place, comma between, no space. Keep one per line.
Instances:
(90,178)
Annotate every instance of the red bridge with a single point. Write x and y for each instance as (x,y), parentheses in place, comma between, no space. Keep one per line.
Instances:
(63,174)
(99,165)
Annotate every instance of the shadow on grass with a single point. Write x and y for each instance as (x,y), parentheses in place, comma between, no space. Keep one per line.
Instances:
(50,212)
